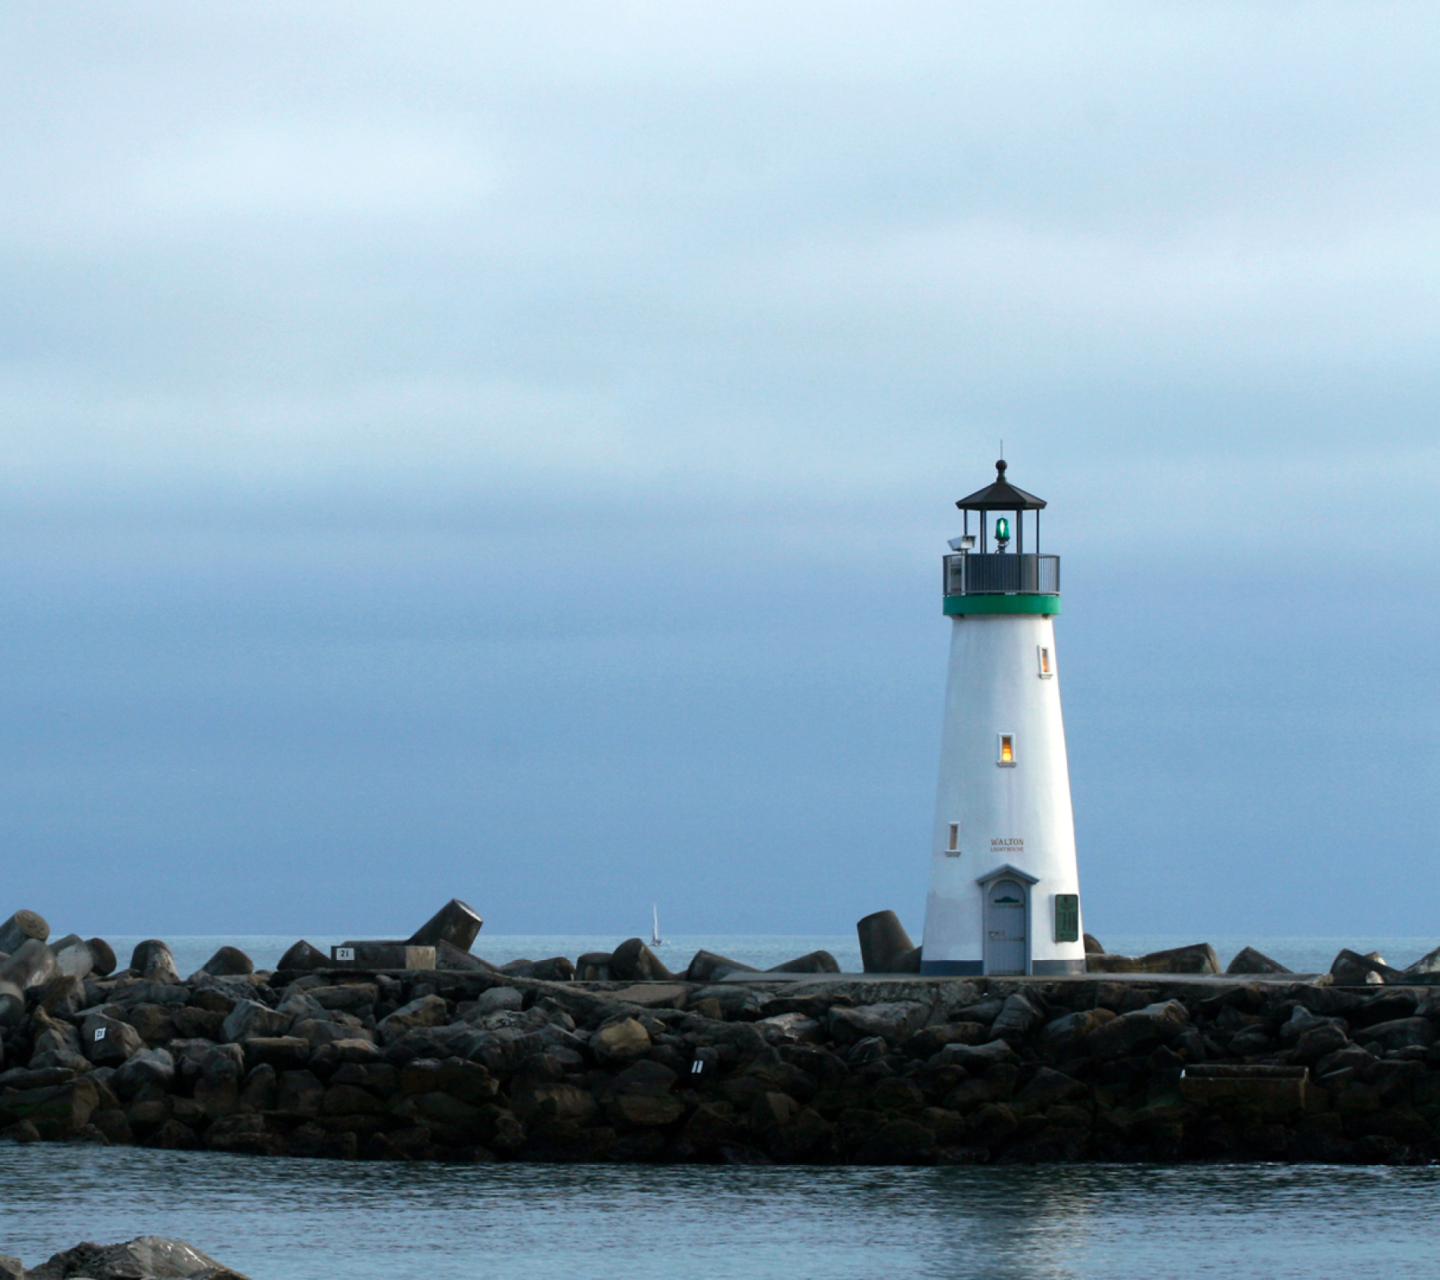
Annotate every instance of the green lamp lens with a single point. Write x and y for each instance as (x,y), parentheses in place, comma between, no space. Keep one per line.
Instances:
(1002,529)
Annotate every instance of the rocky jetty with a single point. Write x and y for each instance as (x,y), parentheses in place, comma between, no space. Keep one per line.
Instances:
(144,1258)
(613,1057)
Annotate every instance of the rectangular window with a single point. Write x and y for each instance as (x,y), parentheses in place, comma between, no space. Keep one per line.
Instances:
(953,847)
(1007,749)
(1042,655)
(1067,917)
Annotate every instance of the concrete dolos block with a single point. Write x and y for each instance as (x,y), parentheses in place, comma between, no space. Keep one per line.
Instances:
(20,928)
(455,923)
(885,946)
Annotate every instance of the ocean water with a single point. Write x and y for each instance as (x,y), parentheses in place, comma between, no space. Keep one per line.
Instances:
(282,1219)
(1303,955)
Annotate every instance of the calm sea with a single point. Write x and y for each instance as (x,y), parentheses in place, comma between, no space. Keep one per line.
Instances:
(282,1219)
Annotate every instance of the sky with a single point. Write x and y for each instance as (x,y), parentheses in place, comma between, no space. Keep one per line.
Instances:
(505,452)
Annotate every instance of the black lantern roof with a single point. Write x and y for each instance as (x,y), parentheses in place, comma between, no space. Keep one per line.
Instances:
(1001,496)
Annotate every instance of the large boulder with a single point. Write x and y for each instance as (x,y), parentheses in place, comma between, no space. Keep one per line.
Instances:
(108,1041)
(32,965)
(1248,960)
(455,923)
(251,1018)
(153,960)
(20,928)
(633,961)
(228,962)
(303,956)
(147,1257)
(884,944)
(1131,1032)
(892,1021)
(1351,969)
(707,966)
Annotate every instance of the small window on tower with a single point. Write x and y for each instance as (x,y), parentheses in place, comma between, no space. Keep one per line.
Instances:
(953,848)
(1046,668)
(1007,749)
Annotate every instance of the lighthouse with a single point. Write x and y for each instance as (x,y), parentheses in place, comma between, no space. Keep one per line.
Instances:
(1004,888)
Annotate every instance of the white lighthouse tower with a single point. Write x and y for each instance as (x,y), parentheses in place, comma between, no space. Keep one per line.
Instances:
(1004,890)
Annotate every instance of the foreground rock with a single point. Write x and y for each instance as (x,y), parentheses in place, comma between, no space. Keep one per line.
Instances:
(144,1258)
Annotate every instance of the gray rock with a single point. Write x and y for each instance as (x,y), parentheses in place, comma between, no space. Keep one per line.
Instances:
(893,1021)
(145,1258)
(251,1018)
(594,966)
(20,928)
(1428,963)
(73,958)
(976,1057)
(707,966)
(1251,961)
(1399,1033)
(152,959)
(1019,1016)
(498,998)
(303,956)
(621,1040)
(147,1066)
(228,962)
(1351,969)
(883,943)
(811,962)
(455,923)
(1130,1031)
(448,956)
(428,1011)
(108,1041)
(633,961)
(32,965)
(1301,1021)
(103,955)
(11,1268)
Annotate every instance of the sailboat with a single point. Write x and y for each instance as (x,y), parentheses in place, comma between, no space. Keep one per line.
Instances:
(655,939)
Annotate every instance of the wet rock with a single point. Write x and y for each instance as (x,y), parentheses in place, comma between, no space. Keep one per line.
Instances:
(250,1018)
(1249,960)
(1130,1032)
(20,928)
(892,1021)
(108,1041)
(149,1257)
(898,1142)
(811,962)
(227,962)
(153,961)
(884,944)
(102,954)
(622,1040)
(633,961)
(455,923)
(1351,969)
(304,956)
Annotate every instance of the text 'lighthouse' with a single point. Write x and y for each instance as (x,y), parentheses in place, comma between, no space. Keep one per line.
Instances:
(1004,889)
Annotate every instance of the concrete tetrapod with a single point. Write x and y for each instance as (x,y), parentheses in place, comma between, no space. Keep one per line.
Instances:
(31,966)
(455,923)
(20,928)
(885,947)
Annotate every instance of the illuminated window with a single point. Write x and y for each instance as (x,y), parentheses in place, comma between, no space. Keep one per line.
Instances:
(1047,669)
(1007,749)
(954,845)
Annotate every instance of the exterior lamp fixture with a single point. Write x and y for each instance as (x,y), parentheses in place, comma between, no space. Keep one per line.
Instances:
(1002,533)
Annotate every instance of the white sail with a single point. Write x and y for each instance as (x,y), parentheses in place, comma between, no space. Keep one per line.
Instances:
(655,939)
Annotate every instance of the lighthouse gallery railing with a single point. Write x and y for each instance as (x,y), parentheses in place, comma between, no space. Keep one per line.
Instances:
(996,575)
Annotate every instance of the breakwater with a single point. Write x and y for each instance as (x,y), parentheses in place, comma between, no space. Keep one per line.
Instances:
(476,1064)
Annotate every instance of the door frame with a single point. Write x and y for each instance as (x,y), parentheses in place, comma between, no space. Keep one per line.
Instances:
(1027,881)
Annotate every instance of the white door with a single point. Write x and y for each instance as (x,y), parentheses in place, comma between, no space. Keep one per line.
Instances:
(1006,912)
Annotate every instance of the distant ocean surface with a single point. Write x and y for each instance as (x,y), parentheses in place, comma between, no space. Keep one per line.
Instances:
(765,951)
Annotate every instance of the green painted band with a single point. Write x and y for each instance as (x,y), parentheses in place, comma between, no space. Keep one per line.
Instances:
(1001,604)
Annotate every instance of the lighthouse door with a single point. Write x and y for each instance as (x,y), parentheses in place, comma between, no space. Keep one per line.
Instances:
(1005,916)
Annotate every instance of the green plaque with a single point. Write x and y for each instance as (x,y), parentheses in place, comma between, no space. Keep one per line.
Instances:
(1067,917)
